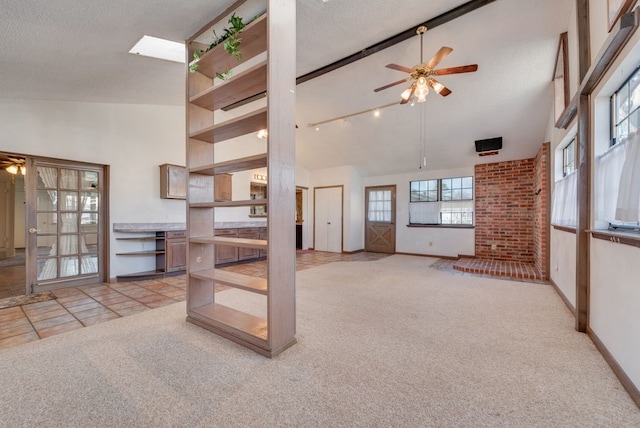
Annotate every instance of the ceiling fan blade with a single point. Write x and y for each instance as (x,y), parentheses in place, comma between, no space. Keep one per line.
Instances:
(439,87)
(390,85)
(413,89)
(439,56)
(456,70)
(399,68)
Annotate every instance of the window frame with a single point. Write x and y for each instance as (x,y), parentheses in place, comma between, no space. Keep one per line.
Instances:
(565,164)
(613,101)
(440,199)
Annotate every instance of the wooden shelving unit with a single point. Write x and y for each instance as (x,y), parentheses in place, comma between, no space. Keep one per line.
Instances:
(168,250)
(272,333)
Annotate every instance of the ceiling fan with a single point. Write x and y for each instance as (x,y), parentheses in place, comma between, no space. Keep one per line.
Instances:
(421,75)
(13,165)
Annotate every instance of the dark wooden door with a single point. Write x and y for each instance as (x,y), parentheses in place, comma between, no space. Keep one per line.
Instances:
(380,219)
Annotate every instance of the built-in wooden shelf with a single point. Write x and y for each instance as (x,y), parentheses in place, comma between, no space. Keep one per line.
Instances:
(227,204)
(242,125)
(240,324)
(142,238)
(235,165)
(140,253)
(260,244)
(235,280)
(254,42)
(246,84)
(267,66)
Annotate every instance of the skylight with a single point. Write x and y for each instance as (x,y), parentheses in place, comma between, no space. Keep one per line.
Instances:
(159,48)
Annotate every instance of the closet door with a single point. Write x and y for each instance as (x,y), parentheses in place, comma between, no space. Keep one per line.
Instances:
(328,219)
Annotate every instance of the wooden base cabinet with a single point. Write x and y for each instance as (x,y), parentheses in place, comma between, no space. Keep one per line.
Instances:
(176,251)
(248,253)
(272,47)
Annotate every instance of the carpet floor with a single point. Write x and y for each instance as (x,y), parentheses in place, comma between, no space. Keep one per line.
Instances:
(387,343)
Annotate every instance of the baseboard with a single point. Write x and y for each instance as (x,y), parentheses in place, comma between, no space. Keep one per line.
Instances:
(353,252)
(466,256)
(563,297)
(429,255)
(633,391)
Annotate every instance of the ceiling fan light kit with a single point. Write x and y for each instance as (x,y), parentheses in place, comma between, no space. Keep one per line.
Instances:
(422,74)
(15,165)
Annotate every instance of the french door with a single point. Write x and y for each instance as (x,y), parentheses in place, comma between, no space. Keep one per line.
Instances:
(65,224)
(380,227)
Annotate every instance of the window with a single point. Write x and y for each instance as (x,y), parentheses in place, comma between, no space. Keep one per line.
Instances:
(569,158)
(380,205)
(617,182)
(625,104)
(424,191)
(441,201)
(561,77)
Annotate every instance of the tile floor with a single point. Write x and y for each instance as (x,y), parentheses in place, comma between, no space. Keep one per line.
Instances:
(79,307)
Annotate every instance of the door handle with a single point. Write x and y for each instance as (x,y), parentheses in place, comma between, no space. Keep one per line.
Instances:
(32,230)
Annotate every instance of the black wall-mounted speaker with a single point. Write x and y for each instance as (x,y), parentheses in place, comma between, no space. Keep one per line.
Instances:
(489,144)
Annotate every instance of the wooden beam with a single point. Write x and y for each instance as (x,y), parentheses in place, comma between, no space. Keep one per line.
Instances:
(441,19)
(584,48)
(584,213)
(620,34)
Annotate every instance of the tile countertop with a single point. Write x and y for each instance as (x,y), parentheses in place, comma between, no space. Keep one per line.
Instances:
(152,227)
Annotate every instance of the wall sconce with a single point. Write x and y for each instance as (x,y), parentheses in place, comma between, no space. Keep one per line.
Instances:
(260,177)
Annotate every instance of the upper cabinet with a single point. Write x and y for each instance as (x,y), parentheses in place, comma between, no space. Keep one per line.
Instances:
(173,182)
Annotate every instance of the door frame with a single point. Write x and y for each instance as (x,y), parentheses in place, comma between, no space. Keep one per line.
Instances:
(30,213)
(393,210)
(341,186)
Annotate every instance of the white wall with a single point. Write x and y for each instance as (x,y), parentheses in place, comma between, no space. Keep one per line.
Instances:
(563,263)
(133,139)
(615,299)
(437,241)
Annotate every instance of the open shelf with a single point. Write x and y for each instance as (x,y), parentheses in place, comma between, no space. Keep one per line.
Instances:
(235,165)
(237,323)
(142,238)
(244,85)
(227,204)
(260,244)
(254,42)
(235,280)
(140,253)
(250,122)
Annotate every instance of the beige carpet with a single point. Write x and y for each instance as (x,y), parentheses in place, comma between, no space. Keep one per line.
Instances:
(385,343)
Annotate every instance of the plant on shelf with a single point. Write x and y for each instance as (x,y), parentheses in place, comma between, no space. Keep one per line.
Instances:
(230,40)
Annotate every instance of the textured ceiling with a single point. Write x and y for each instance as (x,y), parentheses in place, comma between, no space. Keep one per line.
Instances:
(77,51)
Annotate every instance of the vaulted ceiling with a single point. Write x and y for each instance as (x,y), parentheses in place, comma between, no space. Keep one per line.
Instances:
(77,51)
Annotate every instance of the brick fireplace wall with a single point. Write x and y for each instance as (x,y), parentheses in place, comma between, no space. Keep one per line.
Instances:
(512,221)
(504,211)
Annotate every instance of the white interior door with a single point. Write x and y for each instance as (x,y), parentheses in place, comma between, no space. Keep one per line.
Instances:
(328,219)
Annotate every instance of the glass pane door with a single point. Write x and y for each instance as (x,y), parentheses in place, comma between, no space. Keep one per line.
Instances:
(67,218)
